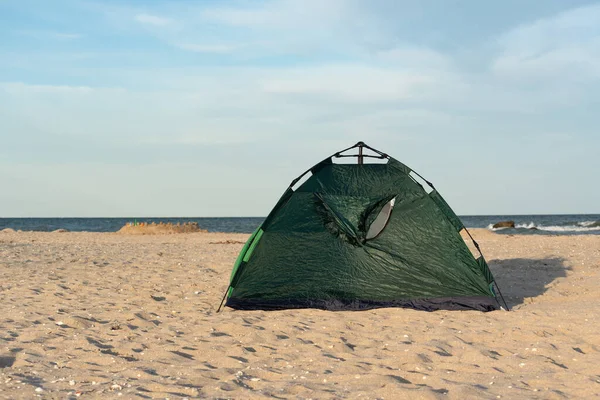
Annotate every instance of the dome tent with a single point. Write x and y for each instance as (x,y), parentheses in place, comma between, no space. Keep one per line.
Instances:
(358,236)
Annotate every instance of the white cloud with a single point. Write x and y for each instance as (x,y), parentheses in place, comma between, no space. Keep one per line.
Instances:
(565,46)
(419,58)
(152,20)
(205,113)
(570,63)
(23,88)
(298,27)
(352,83)
(283,14)
(561,30)
(206,48)
(49,34)
(67,36)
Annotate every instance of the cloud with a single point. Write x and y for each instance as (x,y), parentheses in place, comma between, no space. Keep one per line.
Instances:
(352,83)
(565,46)
(207,113)
(283,14)
(152,20)
(40,34)
(419,58)
(267,29)
(206,48)
(67,36)
(17,88)
(306,28)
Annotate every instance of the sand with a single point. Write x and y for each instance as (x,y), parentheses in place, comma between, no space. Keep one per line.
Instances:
(99,315)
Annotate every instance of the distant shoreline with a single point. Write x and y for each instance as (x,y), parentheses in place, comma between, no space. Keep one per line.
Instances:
(564,224)
(263,217)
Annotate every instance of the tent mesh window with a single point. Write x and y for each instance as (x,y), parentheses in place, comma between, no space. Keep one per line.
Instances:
(381,220)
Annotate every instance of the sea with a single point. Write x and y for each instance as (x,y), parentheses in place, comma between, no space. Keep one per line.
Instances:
(573,224)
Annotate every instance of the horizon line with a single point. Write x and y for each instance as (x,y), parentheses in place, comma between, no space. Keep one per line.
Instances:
(180,217)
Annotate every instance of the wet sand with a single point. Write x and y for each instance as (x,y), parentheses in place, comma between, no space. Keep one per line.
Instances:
(99,315)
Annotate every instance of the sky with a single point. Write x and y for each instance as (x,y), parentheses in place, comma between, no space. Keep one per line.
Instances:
(211,108)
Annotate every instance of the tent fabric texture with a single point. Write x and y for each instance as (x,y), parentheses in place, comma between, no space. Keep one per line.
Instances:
(360,236)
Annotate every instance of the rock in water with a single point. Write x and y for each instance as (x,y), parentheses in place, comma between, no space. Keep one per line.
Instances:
(504,224)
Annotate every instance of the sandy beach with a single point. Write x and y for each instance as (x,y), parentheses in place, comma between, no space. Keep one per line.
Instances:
(103,315)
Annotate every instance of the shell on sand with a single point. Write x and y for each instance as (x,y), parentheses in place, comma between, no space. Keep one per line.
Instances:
(101,314)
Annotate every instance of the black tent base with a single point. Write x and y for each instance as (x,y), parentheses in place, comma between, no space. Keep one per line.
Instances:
(479,303)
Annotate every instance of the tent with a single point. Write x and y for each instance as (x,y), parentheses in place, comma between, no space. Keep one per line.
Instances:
(357,236)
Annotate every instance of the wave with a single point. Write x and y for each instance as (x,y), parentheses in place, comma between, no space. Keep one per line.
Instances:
(589,224)
(581,226)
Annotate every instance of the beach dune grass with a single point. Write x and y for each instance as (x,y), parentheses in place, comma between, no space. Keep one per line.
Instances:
(160,228)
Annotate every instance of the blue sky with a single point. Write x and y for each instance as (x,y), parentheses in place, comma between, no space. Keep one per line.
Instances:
(211,108)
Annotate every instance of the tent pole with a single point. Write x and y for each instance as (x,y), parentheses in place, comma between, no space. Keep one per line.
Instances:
(360,155)
(495,283)
(502,297)
(360,146)
(223,300)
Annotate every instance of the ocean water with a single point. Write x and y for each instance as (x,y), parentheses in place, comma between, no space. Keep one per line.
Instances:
(577,224)
(568,224)
(233,225)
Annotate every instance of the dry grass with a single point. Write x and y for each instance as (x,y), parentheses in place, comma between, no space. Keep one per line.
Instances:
(160,228)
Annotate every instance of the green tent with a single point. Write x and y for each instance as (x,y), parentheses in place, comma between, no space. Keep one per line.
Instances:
(357,236)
